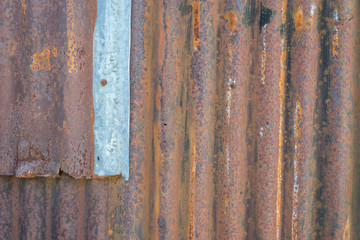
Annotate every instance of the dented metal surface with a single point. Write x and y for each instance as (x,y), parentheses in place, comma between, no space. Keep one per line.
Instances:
(243,125)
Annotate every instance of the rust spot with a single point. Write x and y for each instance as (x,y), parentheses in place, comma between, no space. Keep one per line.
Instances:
(346,235)
(111,232)
(299,19)
(335,44)
(232,19)
(196,23)
(103,82)
(298,119)
(41,61)
(66,129)
(54,52)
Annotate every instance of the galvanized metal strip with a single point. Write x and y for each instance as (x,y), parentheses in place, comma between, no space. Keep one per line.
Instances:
(111,87)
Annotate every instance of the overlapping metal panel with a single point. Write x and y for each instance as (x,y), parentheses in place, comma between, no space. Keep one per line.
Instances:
(46,87)
(244,125)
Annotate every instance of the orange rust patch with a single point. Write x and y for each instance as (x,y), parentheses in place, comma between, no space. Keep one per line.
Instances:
(299,19)
(54,52)
(71,38)
(24,6)
(196,23)
(65,127)
(346,235)
(335,44)
(280,170)
(232,19)
(192,140)
(41,61)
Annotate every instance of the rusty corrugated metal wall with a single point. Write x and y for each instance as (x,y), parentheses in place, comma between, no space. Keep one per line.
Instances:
(244,122)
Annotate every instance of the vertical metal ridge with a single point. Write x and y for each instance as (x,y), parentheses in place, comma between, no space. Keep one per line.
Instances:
(137,201)
(233,73)
(7,96)
(202,89)
(339,125)
(282,91)
(170,111)
(6,224)
(305,45)
(78,139)
(355,206)
(265,119)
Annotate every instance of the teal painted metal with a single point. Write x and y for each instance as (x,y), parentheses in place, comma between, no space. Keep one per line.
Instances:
(111,87)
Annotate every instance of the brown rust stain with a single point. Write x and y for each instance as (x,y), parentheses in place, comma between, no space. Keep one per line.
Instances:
(299,19)
(346,235)
(71,38)
(232,19)
(196,23)
(103,82)
(192,140)
(14,46)
(65,127)
(54,52)
(41,61)
(336,44)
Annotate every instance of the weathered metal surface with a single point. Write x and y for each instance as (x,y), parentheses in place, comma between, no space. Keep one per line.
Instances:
(46,88)
(244,125)
(111,87)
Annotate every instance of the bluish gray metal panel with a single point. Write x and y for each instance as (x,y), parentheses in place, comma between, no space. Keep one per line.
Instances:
(111,86)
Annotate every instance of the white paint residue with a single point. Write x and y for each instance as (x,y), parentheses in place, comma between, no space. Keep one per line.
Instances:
(312,11)
(228,100)
(296,175)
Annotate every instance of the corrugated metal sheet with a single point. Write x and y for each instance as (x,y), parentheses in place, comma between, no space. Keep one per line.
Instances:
(244,123)
(46,87)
